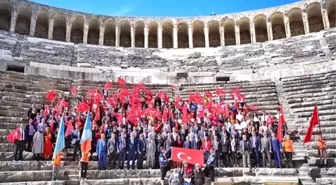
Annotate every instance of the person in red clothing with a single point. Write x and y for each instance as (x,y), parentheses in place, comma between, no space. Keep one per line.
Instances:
(322,150)
(206,144)
(47,149)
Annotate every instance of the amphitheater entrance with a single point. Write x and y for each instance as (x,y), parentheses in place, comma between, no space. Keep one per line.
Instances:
(167,34)
(77,30)
(125,34)
(59,31)
(42,24)
(109,35)
(182,35)
(214,35)
(295,22)
(152,35)
(94,31)
(139,34)
(5,15)
(315,17)
(260,28)
(22,25)
(244,28)
(331,9)
(229,32)
(278,26)
(198,34)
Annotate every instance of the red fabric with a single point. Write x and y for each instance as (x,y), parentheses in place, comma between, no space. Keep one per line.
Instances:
(108,85)
(121,82)
(220,92)
(172,86)
(204,147)
(83,107)
(51,95)
(313,122)
(12,136)
(208,94)
(187,155)
(47,148)
(270,119)
(252,107)
(280,125)
(73,91)
(46,110)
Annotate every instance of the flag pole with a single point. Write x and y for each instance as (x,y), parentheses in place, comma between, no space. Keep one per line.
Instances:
(319,122)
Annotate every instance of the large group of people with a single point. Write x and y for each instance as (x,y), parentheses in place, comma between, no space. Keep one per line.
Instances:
(136,128)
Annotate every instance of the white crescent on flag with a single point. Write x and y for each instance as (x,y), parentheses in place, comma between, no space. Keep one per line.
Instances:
(180,154)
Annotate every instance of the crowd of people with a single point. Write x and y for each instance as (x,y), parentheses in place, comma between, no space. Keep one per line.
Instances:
(136,129)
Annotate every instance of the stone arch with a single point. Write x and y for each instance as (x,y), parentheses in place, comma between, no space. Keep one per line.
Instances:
(260,27)
(77,29)
(59,32)
(295,22)
(229,32)
(198,34)
(167,34)
(244,31)
(214,35)
(152,35)
(278,26)
(42,24)
(23,20)
(315,17)
(331,10)
(139,34)
(94,31)
(109,35)
(125,34)
(182,35)
(5,15)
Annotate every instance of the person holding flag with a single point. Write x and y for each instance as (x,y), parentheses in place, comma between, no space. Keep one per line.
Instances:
(210,165)
(322,150)
(58,154)
(164,164)
(86,145)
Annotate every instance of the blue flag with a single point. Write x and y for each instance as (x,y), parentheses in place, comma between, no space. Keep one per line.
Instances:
(60,142)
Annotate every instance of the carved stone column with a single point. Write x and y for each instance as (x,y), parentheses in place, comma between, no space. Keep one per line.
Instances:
(269,29)
(175,36)
(222,35)
(190,35)
(305,22)
(33,20)
(101,35)
(252,32)
(13,20)
(132,30)
(51,29)
(68,31)
(287,26)
(85,32)
(159,35)
(146,31)
(237,32)
(325,19)
(206,36)
(117,36)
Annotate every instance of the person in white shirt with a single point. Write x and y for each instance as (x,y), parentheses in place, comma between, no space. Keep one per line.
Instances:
(239,116)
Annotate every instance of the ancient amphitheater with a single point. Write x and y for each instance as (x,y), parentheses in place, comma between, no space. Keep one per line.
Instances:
(277,55)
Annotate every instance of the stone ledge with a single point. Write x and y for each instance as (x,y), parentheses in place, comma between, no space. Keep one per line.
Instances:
(35,183)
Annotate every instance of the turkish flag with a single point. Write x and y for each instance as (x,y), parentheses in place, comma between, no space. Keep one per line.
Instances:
(188,155)
(280,125)
(313,122)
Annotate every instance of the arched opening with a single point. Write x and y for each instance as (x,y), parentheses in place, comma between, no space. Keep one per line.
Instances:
(214,35)
(278,26)
(5,15)
(182,35)
(94,31)
(244,31)
(167,34)
(331,9)
(139,34)
(59,32)
(152,35)
(125,34)
(77,30)
(23,20)
(295,22)
(42,24)
(229,32)
(109,35)
(315,17)
(198,34)
(260,28)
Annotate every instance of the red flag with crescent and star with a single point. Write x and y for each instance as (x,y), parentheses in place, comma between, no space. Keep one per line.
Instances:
(190,156)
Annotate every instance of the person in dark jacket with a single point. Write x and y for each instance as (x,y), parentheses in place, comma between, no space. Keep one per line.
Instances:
(210,165)
(198,176)
(132,151)
(141,147)
(164,161)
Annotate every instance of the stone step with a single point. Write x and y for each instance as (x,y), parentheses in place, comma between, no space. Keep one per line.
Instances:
(326,181)
(315,161)
(35,183)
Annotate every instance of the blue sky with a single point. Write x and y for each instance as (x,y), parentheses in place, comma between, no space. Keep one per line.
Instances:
(175,8)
